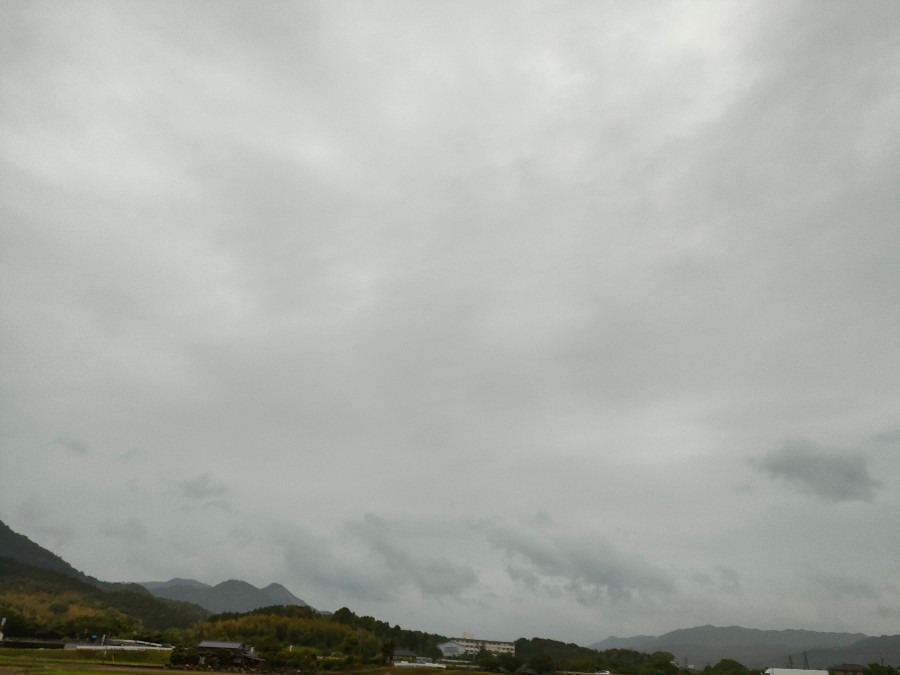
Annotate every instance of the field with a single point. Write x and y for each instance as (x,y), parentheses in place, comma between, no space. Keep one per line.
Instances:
(73,662)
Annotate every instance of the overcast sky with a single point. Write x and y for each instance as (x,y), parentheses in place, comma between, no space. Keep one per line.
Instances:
(566,319)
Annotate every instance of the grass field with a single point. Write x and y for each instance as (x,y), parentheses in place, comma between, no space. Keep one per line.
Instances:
(74,662)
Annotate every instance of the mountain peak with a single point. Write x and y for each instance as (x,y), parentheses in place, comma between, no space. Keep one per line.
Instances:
(233,595)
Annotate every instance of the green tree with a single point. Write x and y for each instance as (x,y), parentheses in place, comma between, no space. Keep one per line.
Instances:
(659,663)
(387,651)
(486,661)
(728,667)
(879,669)
(509,662)
(542,663)
(182,656)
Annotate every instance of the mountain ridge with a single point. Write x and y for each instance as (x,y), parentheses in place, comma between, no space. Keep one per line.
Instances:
(758,648)
(232,595)
(229,596)
(22,560)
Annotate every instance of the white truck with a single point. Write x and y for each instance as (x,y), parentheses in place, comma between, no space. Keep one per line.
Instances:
(793,671)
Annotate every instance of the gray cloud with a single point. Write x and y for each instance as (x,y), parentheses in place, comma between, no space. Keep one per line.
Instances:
(130,529)
(76,446)
(203,487)
(434,576)
(889,435)
(842,587)
(827,474)
(208,505)
(723,580)
(587,568)
(454,262)
(729,579)
(336,576)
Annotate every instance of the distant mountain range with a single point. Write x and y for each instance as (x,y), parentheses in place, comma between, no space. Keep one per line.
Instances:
(229,596)
(707,645)
(39,591)
(180,602)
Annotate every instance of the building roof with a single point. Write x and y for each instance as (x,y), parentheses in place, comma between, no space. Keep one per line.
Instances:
(212,644)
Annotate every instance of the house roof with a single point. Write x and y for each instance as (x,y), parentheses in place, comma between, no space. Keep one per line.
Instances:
(212,644)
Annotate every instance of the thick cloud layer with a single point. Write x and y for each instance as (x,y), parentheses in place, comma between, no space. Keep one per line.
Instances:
(830,476)
(541,319)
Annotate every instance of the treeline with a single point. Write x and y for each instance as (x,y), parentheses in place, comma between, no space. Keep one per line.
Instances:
(418,642)
(44,604)
(301,638)
(540,655)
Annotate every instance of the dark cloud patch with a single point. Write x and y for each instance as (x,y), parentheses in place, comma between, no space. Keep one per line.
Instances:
(888,612)
(702,578)
(130,529)
(729,580)
(890,435)
(76,446)
(334,575)
(208,505)
(434,576)
(722,579)
(202,487)
(829,475)
(840,586)
(588,569)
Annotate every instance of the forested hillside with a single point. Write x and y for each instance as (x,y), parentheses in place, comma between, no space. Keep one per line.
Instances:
(543,655)
(41,603)
(19,547)
(295,636)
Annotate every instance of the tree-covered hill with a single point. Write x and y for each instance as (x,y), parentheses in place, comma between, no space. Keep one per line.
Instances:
(542,653)
(298,636)
(39,602)
(282,626)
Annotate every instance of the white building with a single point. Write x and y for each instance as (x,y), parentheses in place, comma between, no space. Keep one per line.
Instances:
(451,649)
(473,645)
